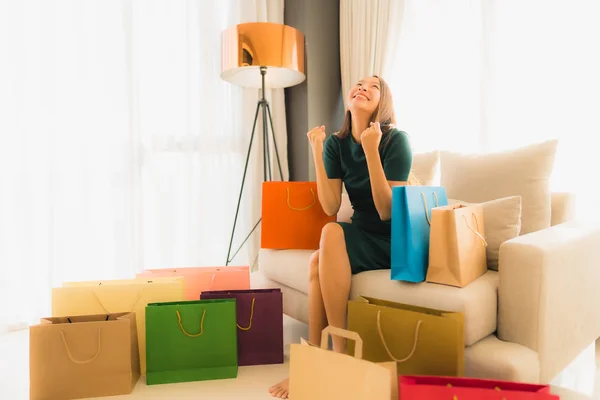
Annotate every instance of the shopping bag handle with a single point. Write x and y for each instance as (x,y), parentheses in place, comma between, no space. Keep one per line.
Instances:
(333,331)
(251,317)
(64,339)
(190,334)
(414,348)
(302,208)
(137,300)
(437,203)
(476,230)
(455,397)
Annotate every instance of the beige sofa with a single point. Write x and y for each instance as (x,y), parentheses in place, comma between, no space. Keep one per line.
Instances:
(526,322)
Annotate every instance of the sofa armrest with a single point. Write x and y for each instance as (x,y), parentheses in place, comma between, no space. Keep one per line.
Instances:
(549,293)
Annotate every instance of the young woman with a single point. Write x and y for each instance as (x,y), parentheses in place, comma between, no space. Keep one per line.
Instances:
(369,156)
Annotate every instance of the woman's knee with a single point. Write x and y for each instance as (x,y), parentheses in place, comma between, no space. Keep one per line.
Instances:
(332,233)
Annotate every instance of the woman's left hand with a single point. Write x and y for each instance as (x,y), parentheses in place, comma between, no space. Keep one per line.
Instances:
(371,137)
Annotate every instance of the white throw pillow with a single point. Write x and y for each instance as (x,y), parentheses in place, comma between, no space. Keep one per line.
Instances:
(502,221)
(424,167)
(524,172)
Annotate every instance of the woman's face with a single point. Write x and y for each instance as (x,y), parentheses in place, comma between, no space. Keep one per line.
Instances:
(364,96)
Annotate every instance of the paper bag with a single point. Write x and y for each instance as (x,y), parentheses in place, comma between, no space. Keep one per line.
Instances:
(103,297)
(317,373)
(200,279)
(83,356)
(259,324)
(292,217)
(191,341)
(445,388)
(457,245)
(411,208)
(421,340)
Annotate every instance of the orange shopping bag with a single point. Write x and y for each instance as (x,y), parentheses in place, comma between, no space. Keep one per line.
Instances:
(200,279)
(292,217)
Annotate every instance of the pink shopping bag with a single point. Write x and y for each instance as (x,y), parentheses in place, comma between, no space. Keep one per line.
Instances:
(200,279)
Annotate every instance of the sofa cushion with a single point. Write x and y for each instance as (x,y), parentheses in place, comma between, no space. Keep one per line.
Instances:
(521,172)
(425,166)
(502,222)
(478,300)
(288,267)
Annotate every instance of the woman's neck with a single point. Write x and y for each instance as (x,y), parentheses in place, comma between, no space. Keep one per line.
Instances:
(360,122)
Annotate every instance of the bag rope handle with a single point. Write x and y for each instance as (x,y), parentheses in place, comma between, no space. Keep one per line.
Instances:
(190,334)
(476,231)
(303,208)
(137,300)
(64,340)
(437,203)
(414,348)
(455,397)
(251,316)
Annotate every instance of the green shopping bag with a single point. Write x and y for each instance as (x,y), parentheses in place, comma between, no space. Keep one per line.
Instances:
(191,341)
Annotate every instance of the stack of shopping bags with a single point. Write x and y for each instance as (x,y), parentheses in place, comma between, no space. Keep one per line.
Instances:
(178,325)
(434,241)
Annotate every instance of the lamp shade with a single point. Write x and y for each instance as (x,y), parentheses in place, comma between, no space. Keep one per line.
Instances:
(245,48)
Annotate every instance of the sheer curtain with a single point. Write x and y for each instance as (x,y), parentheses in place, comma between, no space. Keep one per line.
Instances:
(122,148)
(479,75)
(369,34)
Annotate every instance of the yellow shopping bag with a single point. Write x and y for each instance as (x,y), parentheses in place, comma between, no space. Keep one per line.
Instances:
(421,340)
(106,297)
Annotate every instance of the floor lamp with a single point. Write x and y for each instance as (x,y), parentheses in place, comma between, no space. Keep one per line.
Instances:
(261,55)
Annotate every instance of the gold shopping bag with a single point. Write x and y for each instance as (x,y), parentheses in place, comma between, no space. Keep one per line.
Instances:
(457,245)
(317,373)
(422,341)
(104,297)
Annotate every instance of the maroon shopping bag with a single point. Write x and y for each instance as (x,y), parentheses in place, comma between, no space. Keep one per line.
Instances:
(259,322)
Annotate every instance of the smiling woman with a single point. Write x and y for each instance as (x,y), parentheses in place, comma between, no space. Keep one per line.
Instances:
(369,156)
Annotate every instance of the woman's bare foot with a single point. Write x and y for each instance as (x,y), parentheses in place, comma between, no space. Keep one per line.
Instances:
(281,389)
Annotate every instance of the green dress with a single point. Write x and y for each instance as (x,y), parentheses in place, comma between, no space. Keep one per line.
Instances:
(367,237)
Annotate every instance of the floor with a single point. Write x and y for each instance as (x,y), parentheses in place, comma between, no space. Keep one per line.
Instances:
(252,382)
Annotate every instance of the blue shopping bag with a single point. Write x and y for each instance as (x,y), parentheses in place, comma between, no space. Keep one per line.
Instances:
(411,214)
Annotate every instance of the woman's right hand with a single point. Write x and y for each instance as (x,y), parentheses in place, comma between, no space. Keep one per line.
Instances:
(316,137)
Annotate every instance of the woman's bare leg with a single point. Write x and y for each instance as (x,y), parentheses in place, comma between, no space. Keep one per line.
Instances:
(335,276)
(317,320)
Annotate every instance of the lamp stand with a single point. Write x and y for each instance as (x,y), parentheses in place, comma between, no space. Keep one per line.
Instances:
(262,105)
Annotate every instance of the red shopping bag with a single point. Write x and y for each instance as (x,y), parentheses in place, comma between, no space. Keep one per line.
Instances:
(453,388)
(292,217)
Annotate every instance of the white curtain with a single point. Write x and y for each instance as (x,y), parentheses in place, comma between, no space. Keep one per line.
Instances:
(122,148)
(480,75)
(369,33)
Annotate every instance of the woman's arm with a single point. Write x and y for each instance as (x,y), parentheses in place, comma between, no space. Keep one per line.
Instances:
(386,171)
(329,190)
(381,188)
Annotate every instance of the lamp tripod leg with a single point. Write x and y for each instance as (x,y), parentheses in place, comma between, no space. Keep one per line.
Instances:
(274,142)
(237,210)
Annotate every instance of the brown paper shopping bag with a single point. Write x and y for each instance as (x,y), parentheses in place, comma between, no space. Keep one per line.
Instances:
(457,246)
(103,297)
(317,373)
(83,356)
(390,366)
(421,340)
